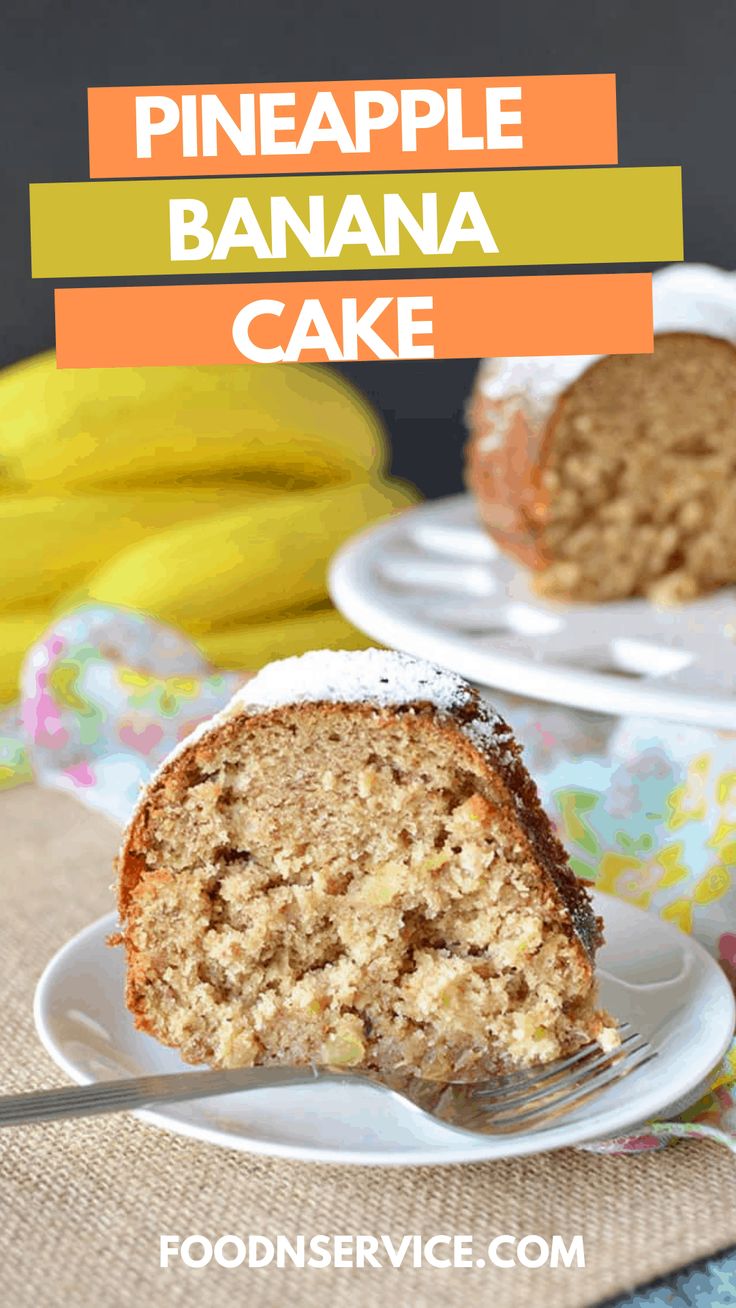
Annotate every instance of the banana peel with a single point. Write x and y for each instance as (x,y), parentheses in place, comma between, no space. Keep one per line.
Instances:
(247,565)
(50,543)
(209,498)
(18,631)
(249,647)
(106,427)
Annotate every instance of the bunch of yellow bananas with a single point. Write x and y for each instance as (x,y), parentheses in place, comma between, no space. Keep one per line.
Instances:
(212,498)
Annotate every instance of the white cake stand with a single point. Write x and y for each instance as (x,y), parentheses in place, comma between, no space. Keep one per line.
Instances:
(430,581)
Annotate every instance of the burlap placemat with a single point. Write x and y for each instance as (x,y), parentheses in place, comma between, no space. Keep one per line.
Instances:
(83,1204)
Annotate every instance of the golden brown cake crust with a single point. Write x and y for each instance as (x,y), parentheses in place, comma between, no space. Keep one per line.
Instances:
(505,476)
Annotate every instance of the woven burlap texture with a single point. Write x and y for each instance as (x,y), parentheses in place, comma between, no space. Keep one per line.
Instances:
(84,1203)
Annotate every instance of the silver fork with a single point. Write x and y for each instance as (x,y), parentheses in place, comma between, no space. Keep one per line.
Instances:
(524,1101)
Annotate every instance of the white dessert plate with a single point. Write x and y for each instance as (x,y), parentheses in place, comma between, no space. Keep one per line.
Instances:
(431,582)
(651,975)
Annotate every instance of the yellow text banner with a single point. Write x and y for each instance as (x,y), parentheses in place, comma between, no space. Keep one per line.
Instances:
(298,224)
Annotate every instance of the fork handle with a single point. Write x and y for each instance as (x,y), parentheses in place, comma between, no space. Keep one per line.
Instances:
(142,1092)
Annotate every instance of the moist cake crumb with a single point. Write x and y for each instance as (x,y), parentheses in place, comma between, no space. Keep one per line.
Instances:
(350,867)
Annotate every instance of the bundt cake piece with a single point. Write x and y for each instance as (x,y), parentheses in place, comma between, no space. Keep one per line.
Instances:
(350,867)
(616,477)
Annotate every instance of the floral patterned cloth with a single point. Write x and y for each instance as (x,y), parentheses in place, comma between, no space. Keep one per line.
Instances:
(647,809)
(106,694)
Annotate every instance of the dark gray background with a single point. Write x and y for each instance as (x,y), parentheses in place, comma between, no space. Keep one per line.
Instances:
(674,61)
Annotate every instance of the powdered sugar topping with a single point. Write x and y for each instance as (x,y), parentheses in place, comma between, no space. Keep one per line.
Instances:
(384,678)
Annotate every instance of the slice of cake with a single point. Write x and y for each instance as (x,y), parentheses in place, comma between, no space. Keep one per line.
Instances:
(350,867)
(616,477)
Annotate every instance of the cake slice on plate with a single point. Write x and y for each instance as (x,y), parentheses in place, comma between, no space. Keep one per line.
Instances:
(349,866)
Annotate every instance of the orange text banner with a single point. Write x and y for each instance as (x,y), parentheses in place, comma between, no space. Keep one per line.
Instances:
(307,127)
(417,318)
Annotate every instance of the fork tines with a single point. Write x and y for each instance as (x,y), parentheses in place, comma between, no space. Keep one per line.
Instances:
(530,1100)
